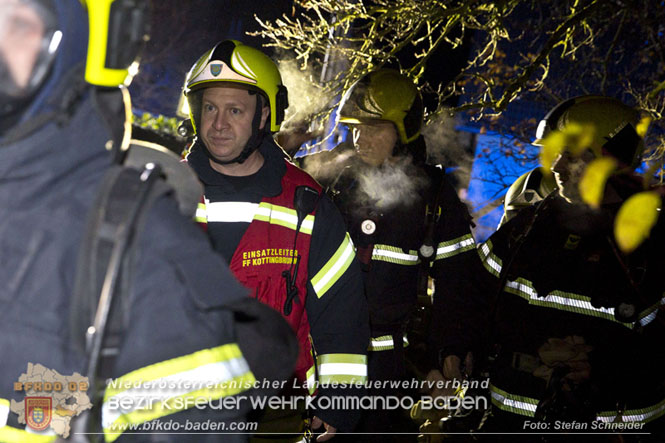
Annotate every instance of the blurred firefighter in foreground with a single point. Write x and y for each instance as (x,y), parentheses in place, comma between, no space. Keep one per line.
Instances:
(576,329)
(282,237)
(400,241)
(62,135)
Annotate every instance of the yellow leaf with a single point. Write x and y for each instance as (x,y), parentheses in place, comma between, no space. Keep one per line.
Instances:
(643,126)
(592,185)
(574,138)
(553,145)
(635,219)
(578,137)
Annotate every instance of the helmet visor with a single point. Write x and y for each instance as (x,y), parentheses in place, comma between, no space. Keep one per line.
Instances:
(28,43)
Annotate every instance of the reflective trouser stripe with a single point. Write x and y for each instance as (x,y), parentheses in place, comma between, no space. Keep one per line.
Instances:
(172,386)
(342,368)
(392,254)
(516,404)
(384,343)
(454,247)
(9,434)
(521,405)
(334,268)
(635,415)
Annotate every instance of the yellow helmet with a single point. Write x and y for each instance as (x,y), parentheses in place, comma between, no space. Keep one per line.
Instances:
(118,29)
(231,61)
(614,124)
(529,188)
(385,95)
(105,34)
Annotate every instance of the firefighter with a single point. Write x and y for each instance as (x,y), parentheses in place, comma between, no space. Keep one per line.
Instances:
(58,97)
(281,236)
(575,324)
(404,230)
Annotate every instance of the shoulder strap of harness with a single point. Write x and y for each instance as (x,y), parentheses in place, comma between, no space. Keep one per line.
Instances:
(125,195)
(432,216)
(112,224)
(98,312)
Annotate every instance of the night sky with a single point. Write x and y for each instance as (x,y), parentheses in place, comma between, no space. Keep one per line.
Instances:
(181,32)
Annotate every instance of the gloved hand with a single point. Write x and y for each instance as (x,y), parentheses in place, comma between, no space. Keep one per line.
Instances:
(430,433)
(571,352)
(452,370)
(331,431)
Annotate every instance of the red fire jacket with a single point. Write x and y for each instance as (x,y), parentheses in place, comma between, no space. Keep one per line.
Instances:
(266,250)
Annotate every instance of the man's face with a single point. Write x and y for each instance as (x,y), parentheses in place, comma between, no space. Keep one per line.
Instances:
(568,171)
(374,142)
(226,120)
(21,34)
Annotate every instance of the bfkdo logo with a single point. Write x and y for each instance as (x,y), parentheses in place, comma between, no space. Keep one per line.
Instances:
(38,412)
(51,399)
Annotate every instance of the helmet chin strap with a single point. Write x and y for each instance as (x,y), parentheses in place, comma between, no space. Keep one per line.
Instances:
(252,144)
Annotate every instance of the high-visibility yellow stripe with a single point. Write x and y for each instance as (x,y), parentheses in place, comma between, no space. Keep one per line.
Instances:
(334,268)
(518,404)
(644,415)
(491,262)
(282,216)
(342,368)
(392,254)
(9,434)
(4,411)
(384,343)
(570,302)
(562,300)
(201,215)
(650,313)
(455,247)
(208,374)
(311,380)
(238,212)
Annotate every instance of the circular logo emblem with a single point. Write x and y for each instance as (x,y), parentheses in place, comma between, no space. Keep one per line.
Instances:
(368,227)
(426,251)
